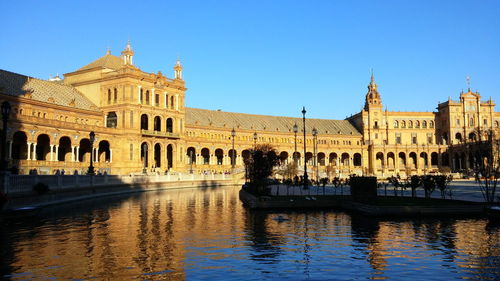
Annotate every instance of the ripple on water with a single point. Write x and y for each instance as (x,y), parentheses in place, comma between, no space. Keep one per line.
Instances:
(207,234)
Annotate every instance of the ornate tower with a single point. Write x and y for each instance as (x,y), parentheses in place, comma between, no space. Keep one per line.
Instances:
(127,54)
(372,99)
(178,70)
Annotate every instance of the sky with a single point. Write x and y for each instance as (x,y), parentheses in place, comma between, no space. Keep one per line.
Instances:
(272,57)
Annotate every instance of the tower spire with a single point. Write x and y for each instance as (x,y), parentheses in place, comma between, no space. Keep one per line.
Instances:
(178,69)
(127,54)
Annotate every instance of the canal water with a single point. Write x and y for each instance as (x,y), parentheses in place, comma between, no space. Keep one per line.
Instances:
(206,234)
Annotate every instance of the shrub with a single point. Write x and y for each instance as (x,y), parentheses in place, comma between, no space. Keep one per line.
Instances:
(41,188)
(363,189)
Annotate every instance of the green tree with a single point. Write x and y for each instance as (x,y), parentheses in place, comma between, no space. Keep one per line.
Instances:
(260,166)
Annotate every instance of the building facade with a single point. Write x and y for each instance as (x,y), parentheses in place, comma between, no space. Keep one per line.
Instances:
(142,125)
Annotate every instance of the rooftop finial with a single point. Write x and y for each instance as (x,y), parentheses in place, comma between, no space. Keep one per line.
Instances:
(108,51)
(128,48)
(373,77)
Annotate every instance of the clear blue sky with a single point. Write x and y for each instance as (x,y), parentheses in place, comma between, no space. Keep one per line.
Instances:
(272,57)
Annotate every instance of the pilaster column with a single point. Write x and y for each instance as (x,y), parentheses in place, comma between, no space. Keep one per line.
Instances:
(33,156)
(29,151)
(96,157)
(177,102)
(139,94)
(165,97)
(72,153)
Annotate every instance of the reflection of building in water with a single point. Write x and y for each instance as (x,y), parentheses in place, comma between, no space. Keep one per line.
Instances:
(135,237)
(141,120)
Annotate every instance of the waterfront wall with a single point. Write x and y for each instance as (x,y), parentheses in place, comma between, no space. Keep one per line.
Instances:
(69,188)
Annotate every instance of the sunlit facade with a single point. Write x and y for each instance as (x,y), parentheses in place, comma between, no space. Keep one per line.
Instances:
(141,124)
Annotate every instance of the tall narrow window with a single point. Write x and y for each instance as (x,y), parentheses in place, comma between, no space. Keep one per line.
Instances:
(115,96)
(109,96)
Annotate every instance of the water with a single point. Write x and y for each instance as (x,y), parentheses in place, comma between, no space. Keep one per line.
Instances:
(207,235)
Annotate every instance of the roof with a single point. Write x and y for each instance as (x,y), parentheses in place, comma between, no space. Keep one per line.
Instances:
(221,119)
(107,61)
(18,85)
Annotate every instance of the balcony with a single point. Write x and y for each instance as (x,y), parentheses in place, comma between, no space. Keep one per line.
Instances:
(160,134)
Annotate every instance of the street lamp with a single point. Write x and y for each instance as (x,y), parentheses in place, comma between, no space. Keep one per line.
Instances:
(92,139)
(191,161)
(5,117)
(145,151)
(295,130)
(305,162)
(254,140)
(233,156)
(315,141)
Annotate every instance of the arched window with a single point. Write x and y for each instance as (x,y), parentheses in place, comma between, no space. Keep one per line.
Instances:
(403,124)
(431,124)
(111,120)
(170,125)
(471,123)
(417,124)
(396,124)
(144,122)
(147,97)
(424,124)
(142,96)
(410,124)
(157,123)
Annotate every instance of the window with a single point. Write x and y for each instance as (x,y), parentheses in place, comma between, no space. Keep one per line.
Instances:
(417,124)
(471,123)
(424,124)
(131,119)
(458,122)
(403,124)
(410,124)
(414,138)
(431,124)
(131,155)
(115,95)
(109,96)
(376,136)
(157,99)
(485,122)
(396,124)
(375,125)
(429,138)
(398,138)
(111,120)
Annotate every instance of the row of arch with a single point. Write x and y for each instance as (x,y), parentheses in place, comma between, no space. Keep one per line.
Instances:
(411,160)
(205,157)
(157,160)
(62,150)
(157,121)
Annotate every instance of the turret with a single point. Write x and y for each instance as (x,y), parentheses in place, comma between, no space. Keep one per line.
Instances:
(178,70)
(372,97)
(127,54)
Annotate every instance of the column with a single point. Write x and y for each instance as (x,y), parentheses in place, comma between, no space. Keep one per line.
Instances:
(57,152)
(165,96)
(77,154)
(96,157)
(51,152)
(177,102)
(111,155)
(29,151)
(33,155)
(10,150)
(72,153)
(139,94)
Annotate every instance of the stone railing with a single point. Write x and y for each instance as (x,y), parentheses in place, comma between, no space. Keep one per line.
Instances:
(160,134)
(19,184)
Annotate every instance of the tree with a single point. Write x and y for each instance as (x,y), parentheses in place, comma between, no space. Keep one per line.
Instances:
(289,170)
(486,160)
(260,166)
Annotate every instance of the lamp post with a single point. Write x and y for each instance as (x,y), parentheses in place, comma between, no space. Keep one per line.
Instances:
(92,139)
(5,117)
(191,161)
(233,156)
(144,165)
(254,140)
(305,162)
(295,130)
(315,141)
